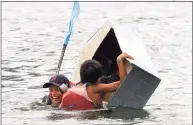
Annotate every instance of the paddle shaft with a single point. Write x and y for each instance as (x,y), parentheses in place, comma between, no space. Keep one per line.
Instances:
(75,13)
(61,58)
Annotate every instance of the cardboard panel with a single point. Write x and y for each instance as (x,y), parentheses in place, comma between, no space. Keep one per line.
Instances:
(135,90)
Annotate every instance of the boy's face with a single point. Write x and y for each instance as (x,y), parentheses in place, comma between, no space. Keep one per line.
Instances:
(56,95)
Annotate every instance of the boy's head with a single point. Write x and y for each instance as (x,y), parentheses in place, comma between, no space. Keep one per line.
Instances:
(90,71)
(57,85)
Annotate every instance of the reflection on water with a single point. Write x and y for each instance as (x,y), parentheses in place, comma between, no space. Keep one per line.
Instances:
(61,114)
(126,113)
(117,113)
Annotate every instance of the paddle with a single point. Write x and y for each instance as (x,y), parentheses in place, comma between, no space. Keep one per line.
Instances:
(75,13)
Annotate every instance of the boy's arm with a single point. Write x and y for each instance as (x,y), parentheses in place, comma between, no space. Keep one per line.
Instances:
(121,66)
(100,87)
(111,87)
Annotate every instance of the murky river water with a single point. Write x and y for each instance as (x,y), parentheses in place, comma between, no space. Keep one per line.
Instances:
(32,37)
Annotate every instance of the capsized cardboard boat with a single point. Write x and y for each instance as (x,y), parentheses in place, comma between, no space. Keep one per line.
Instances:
(142,79)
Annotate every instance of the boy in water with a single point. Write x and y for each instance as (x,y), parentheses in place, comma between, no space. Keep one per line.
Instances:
(87,94)
(58,85)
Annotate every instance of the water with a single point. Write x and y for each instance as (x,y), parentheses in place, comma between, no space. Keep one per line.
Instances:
(32,36)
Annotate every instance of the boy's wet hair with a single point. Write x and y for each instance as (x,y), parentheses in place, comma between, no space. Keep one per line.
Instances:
(90,71)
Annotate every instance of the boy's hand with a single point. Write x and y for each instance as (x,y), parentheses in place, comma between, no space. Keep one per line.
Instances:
(124,56)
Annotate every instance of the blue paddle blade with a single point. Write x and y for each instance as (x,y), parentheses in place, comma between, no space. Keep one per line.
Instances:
(74,16)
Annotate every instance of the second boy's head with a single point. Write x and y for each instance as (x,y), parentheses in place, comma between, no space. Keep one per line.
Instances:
(90,71)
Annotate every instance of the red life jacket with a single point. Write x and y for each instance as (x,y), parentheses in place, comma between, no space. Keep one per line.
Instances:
(72,84)
(76,99)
